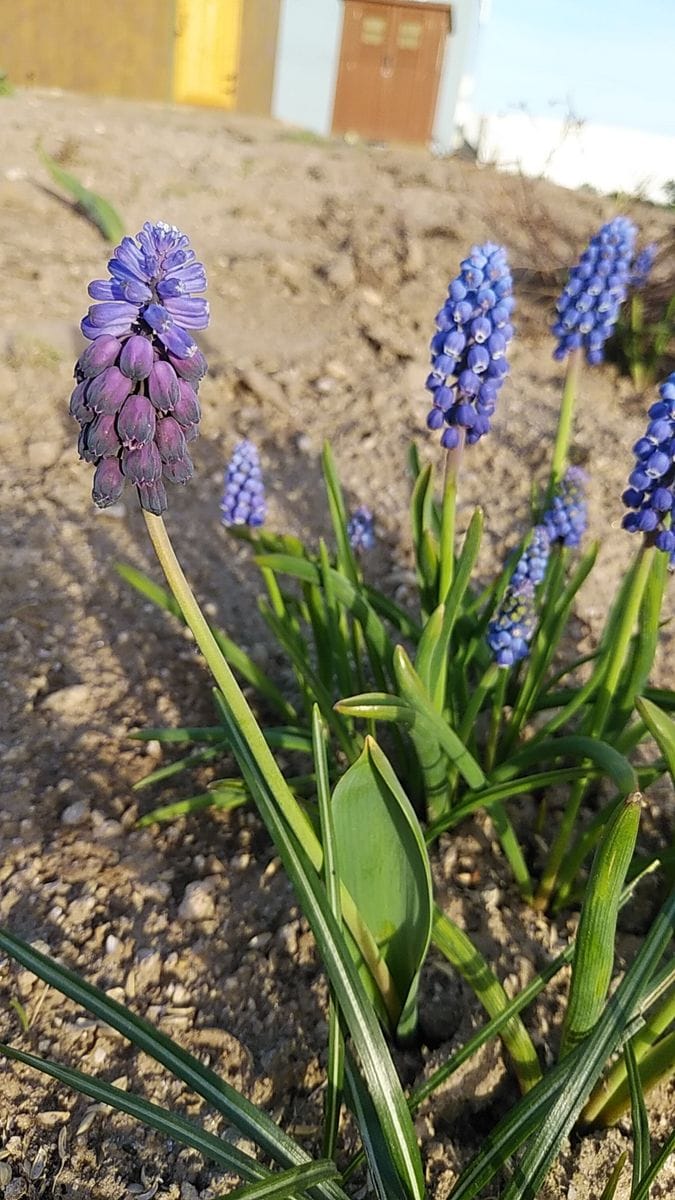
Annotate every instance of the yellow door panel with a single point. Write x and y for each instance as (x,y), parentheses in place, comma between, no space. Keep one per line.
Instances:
(206,63)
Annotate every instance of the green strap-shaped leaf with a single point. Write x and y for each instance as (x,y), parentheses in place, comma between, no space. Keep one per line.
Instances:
(662,729)
(385,867)
(338,515)
(96,208)
(578,747)
(435,656)
(250,1120)
(378,1069)
(217,1149)
(467,959)
(551,1108)
(417,697)
(353,598)
(286,1184)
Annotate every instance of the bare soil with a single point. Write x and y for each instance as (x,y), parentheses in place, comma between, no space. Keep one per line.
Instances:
(326,265)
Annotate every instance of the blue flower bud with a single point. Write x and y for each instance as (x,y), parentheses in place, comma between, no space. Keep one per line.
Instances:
(136,358)
(101,354)
(137,421)
(170,440)
(107,392)
(108,482)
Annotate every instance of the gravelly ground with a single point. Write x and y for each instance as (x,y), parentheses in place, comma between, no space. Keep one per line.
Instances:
(326,265)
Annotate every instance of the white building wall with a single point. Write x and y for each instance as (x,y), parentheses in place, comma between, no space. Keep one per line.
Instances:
(308,53)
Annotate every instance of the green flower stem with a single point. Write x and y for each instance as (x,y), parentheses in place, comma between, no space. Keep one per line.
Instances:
(490,678)
(637,366)
(595,723)
(453,463)
(566,417)
(498,698)
(252,733)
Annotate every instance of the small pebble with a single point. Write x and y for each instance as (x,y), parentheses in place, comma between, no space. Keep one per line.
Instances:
(75,813)
(197,903)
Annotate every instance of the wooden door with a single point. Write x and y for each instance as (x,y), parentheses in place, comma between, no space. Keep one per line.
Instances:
(206,55)
(391,60)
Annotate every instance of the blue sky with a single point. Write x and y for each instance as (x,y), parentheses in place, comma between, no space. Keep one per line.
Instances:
(610,61)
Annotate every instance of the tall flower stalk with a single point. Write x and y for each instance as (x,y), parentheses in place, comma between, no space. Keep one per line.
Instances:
(468,368)
(588,309)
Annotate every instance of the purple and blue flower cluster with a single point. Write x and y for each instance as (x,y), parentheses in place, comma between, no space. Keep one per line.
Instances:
(596,288)
(567,517)
(361,529)
(136,394)
(510,633)
(651,493)
(533,561)
(468,350)
(243,500)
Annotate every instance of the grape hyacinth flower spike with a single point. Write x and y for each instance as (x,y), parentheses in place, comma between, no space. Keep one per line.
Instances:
(651,494)
(136,392)
(510,633)
(567,516)
(468,350)
(361,529)
(243,500)
(596,288)
(533,561)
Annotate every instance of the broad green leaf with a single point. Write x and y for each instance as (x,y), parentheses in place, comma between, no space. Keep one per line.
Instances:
(96,208)
(662,729)
(385,867)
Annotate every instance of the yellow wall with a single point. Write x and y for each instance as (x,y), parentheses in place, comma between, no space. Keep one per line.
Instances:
(123,48)
(206,64)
